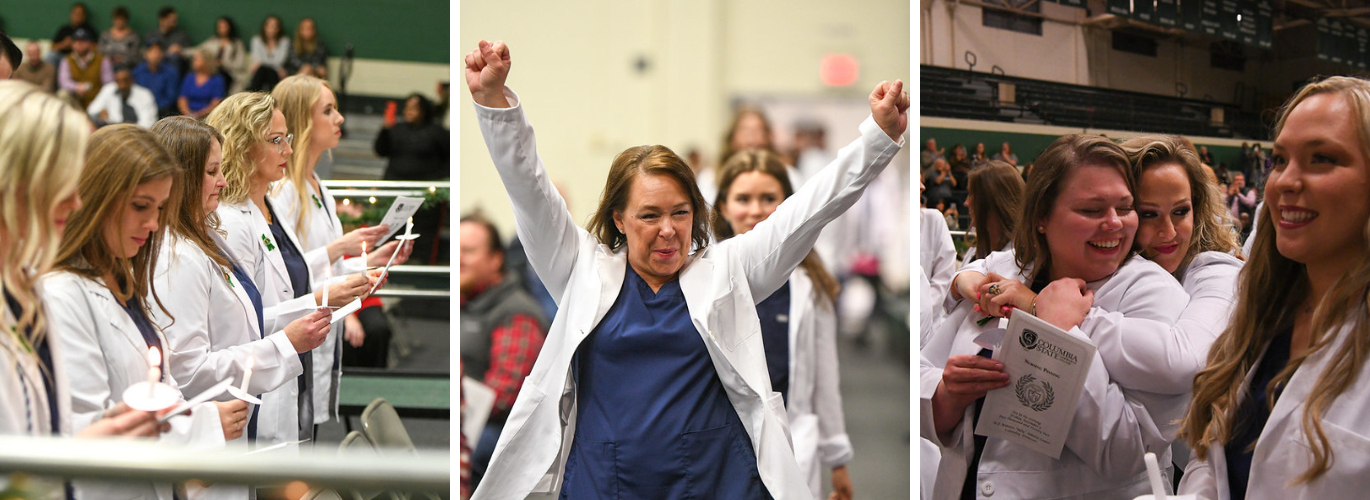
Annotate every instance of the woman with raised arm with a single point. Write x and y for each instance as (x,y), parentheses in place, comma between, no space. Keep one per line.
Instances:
(653,381)
(256,152)
(1279,412)
(308,211)
(101,296)
(1073,246)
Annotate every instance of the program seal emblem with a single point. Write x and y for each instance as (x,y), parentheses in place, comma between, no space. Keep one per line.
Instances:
(1033,393)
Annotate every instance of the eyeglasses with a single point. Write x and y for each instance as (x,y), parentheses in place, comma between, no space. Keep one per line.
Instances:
(281,141)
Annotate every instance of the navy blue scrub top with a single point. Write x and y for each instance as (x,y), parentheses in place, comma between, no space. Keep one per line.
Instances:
(774,313)
(135,312)
(255,297)
(653,420)
(1253,414)
(45,355)
(299,281)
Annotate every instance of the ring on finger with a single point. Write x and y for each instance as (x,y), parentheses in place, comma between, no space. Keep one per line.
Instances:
(994,289)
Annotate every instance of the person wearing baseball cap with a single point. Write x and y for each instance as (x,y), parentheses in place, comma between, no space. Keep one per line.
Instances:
(84,70)
(10,56)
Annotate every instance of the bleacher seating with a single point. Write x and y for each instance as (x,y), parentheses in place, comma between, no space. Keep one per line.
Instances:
(955,93)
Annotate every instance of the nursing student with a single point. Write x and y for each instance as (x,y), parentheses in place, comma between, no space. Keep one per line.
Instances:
(653,380)
(100,297)
(256,150)
(308,211)
(798,323)
(1279,411)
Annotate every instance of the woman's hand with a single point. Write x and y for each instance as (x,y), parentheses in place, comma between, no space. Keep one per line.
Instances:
(487,67)
(841,484)
(353,331)
(1065,302)
(351,243)
(310,331)
(964,380)
(1011,294)
(122,421)
(347,290)
(382,255)
(232,418)
(889,106)
(967,283)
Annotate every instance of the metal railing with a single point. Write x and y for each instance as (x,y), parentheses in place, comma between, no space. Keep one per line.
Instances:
(122,459)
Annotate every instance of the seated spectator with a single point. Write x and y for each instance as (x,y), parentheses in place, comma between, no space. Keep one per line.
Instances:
(1006,155)
(124,102)
(418,148)
(119,43)
(203,88)
(229,52)
(10,57)
(939,183)
(162,79)
(270,48)
(979,155)
(85,70)
(62,41)
(930,155)
(173,39)
(308,55)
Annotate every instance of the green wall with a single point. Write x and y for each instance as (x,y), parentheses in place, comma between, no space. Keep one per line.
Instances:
(400,30)
(1027,146)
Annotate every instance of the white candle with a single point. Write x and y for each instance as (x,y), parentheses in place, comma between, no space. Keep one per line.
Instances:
(154,371)
(409,227)
(247,374)
(366,262)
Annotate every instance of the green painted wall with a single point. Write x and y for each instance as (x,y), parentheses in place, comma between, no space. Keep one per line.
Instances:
(1028,146)
(400,30)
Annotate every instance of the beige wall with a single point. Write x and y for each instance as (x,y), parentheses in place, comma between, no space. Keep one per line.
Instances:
(573,66)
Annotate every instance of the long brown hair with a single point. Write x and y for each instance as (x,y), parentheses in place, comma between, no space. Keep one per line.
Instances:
(996,191)
(1212,221)
(1270,291)
(1044,185)
(120,158)
(743,112)
(188,142)
(42,149)
(646,160)
(766,162)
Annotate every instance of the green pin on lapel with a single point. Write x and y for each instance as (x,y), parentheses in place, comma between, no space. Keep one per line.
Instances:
(317,203)
(269,245)
(227,277)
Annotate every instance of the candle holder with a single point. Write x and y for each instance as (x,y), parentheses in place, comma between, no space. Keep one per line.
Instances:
(151,396)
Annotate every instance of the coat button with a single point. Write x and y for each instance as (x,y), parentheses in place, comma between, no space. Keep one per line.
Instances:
(987,489)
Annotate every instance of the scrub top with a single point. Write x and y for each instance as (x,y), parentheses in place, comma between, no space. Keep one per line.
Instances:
(653,420)
(774,313)
(299,281)
(1253,413)
(255,297)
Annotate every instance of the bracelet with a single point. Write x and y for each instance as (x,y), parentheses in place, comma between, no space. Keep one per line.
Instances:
(1034,306)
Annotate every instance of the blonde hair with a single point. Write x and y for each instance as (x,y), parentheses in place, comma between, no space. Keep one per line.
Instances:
(296,96)
(211,60)
(120,158)
(243,119)
(1211,219)
(1271,289)
(188,141)
(42,150)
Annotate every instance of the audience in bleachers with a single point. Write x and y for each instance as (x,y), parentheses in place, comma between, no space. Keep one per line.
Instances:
(270,49)
(172,38)
(63,40)
(230,53)
(930,154)
(119,43)
(35,70)
(1006,155)
(82,72)
(308,54)
(162,79)
(204,87)
(123,102)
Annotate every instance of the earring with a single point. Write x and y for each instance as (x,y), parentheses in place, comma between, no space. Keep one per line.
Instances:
(1041,229)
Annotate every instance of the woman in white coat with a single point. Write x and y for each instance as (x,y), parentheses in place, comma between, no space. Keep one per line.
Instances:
(42,150)
(635,253)
(1279,412)
(1072,244)
(798,323)
(256,149)
(308,211)
(100,296)
(214,319)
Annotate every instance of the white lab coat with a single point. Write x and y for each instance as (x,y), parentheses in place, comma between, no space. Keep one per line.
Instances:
(324,227)
(251,245)
(721,286)
(1282,452)
(817,424)
(215,332)
(24,408)
(1112,428)
(937,256)
(106,354)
